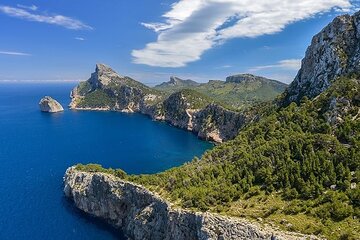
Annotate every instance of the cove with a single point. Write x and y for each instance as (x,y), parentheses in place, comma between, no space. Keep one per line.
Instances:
(36,148)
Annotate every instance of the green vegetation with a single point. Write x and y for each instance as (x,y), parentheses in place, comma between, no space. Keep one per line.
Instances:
(241,95)
(129,82)
(84,88)
(195,99)
(292,168)
(234,95)
(98,168)
(98,98)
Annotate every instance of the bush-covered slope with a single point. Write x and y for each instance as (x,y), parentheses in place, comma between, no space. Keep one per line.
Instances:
(238,91)
(298,167)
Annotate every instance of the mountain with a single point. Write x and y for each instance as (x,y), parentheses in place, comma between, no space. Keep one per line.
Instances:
(296,167)
(107,90)
(176,84)
(333,52)
(238,91)
(243,90)
(187,109)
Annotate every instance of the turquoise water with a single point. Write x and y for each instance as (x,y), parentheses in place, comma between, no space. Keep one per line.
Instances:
(36,148)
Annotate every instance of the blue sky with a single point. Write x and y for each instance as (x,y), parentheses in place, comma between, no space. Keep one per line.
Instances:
(152,40)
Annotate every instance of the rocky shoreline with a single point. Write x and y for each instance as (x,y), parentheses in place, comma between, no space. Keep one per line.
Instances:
(210,121)
(142,214)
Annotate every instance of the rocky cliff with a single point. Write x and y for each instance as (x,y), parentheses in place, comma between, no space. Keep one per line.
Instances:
(48,104)
(141,214)
(186,109)
(333,52)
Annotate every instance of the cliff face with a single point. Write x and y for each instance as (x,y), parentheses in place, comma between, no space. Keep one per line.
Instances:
(48,104)
(333,52)
(186,109)
(216,123)
(141,214)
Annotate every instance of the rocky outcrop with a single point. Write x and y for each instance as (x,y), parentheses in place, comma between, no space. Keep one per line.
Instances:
(333,52)
(241,78)
(186,109)
(48,104)
(141,214)
(216,123)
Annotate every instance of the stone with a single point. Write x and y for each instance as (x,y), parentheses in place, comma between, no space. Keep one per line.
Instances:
(333,52)
(142,214)
(48,104)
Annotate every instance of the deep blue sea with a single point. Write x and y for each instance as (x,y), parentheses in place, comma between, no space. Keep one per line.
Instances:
(36,148)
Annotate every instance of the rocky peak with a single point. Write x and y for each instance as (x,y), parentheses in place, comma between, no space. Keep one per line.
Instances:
(103,75)
(239,78)
(175,80)
(333,52)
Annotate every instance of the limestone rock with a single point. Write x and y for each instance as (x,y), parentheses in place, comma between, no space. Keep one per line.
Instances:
(333,52)
(141,214)
(48,104)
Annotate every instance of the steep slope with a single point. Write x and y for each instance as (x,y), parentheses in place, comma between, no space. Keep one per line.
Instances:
(238,91)
(107,90)
(333,52)
(141,214)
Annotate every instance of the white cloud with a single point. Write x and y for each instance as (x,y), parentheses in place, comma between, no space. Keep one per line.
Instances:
(14,53)
(80,39)
(287,64)
(60,20)
(32,7)
(192,27)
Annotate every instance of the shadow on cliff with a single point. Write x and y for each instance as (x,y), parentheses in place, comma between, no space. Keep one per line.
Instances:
(70,207)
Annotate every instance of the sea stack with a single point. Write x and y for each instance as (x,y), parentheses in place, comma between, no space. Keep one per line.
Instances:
(48,104)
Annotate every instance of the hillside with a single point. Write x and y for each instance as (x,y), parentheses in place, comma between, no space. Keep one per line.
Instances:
(175,84)
(238,91)
(296,167)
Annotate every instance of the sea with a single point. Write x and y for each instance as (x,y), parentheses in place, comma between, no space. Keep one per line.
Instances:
(36,149)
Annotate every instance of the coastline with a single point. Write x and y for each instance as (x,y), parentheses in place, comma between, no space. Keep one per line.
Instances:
(143,214)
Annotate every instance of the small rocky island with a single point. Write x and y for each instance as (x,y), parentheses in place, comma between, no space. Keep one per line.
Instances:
(48,104)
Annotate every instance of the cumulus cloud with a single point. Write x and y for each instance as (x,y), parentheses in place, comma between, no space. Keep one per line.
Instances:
(60,20)
(80,38)
(192,27)
(287,64)
(14,53)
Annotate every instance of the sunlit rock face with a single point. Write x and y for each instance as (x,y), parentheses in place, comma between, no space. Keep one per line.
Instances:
(333,52)
(141,214)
